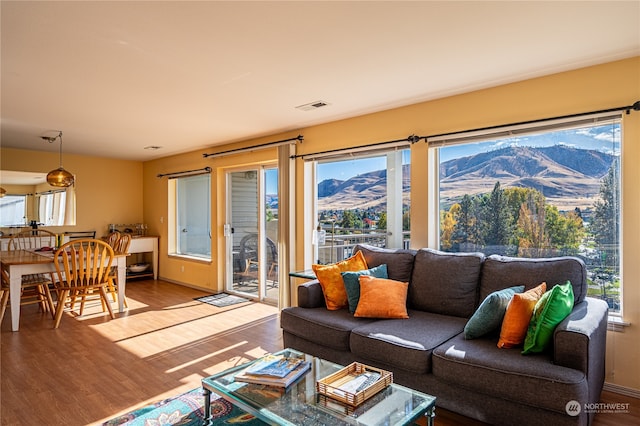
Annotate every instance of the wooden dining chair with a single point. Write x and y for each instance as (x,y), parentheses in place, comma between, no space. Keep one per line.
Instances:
(32,239)
(35,287)
(112,238)
(4,293)
(121,246)
(82,268)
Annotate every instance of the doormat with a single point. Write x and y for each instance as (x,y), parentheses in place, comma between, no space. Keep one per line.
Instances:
(221,299)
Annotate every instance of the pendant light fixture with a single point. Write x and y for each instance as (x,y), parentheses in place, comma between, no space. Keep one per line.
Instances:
(58,177)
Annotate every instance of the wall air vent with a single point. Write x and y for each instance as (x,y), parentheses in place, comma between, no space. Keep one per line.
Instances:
(312,105)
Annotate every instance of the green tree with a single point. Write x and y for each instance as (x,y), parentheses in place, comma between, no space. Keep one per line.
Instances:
(462,231)
(605,225)
(566,231)
(406,220)
(350,220)
(270,215)
(497,218)
(382,221)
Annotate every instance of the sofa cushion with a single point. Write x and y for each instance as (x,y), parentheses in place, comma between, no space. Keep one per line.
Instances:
(331,281)
(445,283)
(480,366)
(382,298)
(405,343)
(328,328)
(516,319)
(352,283)
(500,272)
(399,261)
(552,308)
(488,317)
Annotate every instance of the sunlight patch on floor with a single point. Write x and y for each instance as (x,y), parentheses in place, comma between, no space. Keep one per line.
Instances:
(202,358)
(173,332)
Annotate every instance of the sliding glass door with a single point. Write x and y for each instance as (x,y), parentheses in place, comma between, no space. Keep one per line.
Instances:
(251,232)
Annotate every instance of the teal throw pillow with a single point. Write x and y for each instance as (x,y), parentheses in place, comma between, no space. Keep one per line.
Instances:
(553,307)
(489,315)
(352,283)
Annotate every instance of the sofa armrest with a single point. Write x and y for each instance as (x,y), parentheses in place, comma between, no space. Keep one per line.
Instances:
(580,342)
(310,295)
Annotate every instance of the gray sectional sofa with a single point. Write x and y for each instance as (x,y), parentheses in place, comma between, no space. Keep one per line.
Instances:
(429,352)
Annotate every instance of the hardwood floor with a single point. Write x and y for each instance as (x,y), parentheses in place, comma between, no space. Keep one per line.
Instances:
(92,369)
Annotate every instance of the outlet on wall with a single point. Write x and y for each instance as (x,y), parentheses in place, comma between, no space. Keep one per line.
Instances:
(182,268)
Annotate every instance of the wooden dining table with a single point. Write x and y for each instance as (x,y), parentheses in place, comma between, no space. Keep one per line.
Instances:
(24,262)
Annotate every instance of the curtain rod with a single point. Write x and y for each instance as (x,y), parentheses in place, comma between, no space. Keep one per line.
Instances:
(203,170)
(254,147)
(627,109)
(411,139)
(50,191)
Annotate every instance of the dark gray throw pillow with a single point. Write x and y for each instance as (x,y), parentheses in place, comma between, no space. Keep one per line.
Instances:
(490,313)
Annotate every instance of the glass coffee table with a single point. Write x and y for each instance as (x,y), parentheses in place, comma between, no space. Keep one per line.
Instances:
(300,404)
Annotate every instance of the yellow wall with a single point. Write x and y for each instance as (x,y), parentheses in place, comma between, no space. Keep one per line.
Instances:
(594,88)
(107,190)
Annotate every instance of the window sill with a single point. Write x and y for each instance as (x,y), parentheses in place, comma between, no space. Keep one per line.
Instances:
(192,258)
(617,324)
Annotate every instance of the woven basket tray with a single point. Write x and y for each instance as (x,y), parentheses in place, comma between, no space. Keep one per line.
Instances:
(329,386)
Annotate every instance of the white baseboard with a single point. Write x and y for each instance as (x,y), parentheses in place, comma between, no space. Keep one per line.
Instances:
(623,390)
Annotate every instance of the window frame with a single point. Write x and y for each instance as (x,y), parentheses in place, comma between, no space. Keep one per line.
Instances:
(174,218)
(311,201)
(497,133)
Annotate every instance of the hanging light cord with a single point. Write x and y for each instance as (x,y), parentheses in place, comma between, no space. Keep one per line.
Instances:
(52,139)
(60,136)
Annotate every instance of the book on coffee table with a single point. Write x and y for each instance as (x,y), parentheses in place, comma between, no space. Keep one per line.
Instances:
(274,365)
(280,372)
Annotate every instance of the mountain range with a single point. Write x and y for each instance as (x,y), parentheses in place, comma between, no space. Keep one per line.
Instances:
(568,177)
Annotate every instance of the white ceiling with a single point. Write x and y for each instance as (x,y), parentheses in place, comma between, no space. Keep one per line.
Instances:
(116,77)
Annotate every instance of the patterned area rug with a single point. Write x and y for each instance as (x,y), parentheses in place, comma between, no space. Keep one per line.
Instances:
(186,410)
(221,299)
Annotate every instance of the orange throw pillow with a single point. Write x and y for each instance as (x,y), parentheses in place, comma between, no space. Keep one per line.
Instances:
(382,298)
(516,320)
(330,277)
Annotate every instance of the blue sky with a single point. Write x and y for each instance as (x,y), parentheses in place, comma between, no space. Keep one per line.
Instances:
(344,170)
(604,138)
(601,138)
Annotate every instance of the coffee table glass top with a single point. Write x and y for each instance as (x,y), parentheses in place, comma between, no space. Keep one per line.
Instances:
(300,404)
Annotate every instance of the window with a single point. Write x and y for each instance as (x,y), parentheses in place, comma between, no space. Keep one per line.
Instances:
(193,216)
(362,200)
(13,210)
(51,208)
(551,193)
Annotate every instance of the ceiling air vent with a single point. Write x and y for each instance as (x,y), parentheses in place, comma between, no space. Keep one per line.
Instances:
(312,105)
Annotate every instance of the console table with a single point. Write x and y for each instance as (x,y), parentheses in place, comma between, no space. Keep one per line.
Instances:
(146,245)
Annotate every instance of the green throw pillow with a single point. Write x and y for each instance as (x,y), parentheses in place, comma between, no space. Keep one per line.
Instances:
(553,307)
(490,313)
(352,283)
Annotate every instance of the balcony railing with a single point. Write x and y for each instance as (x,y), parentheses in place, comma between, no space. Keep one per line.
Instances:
(339,245)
